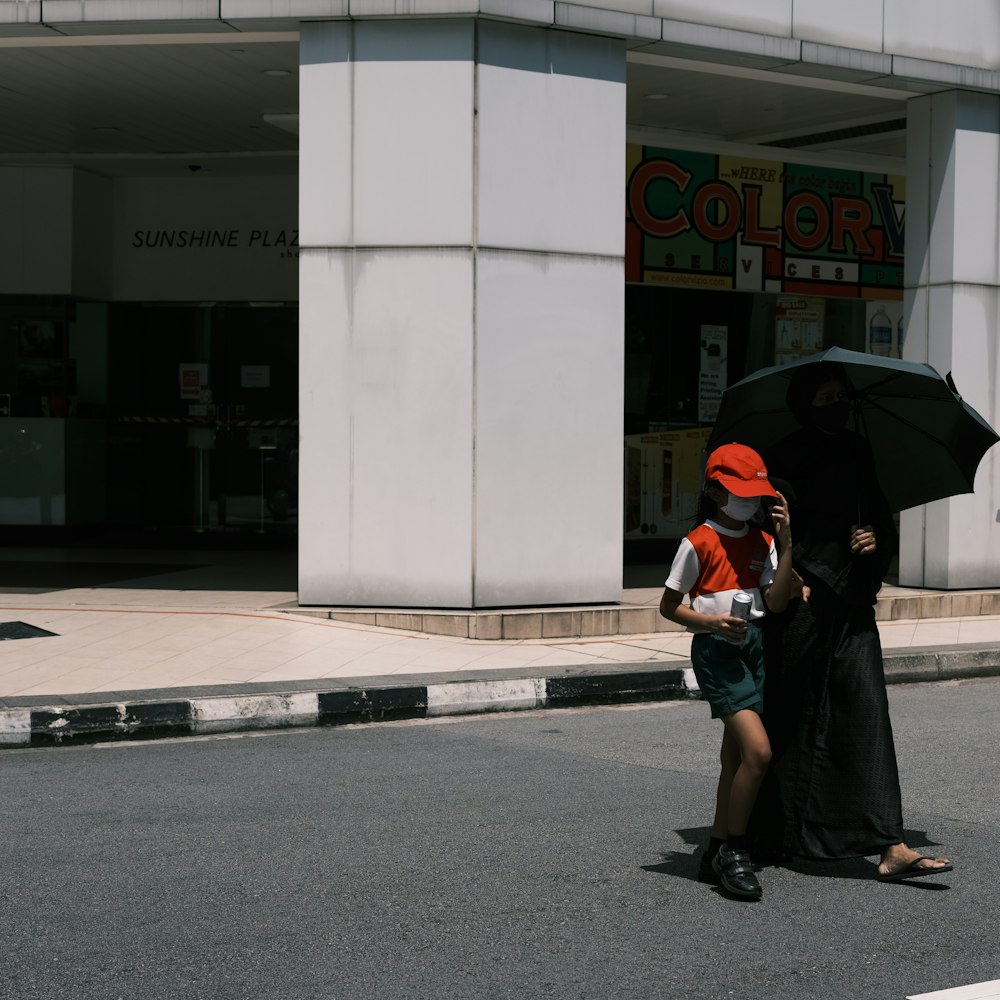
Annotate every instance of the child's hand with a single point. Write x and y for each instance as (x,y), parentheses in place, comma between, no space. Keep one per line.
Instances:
(782,521)
(729,627)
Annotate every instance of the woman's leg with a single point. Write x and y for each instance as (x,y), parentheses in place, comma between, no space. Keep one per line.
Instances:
(897,857)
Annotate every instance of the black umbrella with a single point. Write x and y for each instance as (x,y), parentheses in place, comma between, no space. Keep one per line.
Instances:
(926,441)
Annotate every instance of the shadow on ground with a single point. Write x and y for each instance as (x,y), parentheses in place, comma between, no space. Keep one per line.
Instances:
(684,864)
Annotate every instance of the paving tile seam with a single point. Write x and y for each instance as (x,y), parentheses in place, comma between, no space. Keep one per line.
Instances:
(401,635)
(221,612)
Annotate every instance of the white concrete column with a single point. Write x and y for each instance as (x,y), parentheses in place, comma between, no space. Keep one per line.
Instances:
(461,297)
(952,305)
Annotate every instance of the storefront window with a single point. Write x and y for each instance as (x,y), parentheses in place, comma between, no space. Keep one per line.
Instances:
(38,403)
(149,416)
(734,265)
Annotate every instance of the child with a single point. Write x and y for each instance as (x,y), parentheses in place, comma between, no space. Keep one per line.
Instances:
(720,557)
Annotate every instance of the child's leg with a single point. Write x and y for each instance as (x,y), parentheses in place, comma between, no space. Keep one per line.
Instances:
(746,733)
(730,758)
(732,864)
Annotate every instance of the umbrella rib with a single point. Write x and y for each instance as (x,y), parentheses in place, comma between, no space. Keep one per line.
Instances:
(905,421)
(891,376)
(917,396)
(874,389)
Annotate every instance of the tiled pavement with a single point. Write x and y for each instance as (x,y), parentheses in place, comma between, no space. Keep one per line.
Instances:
(154,621)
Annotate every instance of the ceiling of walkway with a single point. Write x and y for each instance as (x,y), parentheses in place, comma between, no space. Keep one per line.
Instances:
(228,103)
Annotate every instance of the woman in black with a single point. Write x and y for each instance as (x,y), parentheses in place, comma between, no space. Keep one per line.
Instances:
(833,789)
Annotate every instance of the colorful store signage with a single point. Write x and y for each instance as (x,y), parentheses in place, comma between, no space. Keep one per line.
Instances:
(700,220)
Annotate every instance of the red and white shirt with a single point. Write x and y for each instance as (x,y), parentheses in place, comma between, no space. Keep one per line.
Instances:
(713,563)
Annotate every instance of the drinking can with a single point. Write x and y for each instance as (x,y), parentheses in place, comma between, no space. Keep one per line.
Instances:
(742,606)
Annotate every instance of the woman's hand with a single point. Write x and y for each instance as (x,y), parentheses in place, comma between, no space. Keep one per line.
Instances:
(782,522)
(798,588)
(862,539)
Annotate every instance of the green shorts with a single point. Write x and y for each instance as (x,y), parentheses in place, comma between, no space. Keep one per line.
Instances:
(731,676)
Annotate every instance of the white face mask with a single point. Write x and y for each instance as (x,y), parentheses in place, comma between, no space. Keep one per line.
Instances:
(741,508)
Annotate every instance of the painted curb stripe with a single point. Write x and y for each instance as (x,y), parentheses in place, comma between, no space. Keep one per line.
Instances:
(691,683)
(661,684)
(142,720)
(152,718)
(213,715)
(339,707)
(15,726)
(485,696)
(50,726)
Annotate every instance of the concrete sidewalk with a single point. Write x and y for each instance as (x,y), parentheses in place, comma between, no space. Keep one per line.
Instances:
(162,652)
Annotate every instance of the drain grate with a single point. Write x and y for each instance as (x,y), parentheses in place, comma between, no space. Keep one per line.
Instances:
(21,630)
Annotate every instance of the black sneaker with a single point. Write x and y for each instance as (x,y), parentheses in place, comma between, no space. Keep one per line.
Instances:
(736,873)
(706,873)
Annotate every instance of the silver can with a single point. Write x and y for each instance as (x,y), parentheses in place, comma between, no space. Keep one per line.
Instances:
(742,606)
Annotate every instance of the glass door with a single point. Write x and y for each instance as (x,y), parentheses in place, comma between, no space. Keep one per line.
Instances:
(203,414)
(254,357)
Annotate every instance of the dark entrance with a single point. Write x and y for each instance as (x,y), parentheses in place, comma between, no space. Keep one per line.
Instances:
(203,418)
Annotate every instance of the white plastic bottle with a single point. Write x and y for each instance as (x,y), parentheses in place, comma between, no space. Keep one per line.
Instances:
(880,331)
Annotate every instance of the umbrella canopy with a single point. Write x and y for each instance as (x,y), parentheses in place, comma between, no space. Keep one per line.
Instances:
(926,441)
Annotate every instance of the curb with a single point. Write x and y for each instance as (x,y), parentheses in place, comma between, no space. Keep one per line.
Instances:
(53,725)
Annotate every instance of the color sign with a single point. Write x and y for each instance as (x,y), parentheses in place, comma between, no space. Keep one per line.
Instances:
(701,220)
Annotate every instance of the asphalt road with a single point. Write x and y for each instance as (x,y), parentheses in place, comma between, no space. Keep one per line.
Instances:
(544,854)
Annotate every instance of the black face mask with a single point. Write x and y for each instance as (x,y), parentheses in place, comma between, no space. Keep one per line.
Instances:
(832,417)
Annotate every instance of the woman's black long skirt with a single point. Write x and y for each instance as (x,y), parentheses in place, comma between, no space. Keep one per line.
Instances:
(833,787)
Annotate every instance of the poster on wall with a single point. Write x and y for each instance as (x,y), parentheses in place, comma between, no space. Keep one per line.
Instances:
(39,339)
(798,328)
(712,375)
(662,480)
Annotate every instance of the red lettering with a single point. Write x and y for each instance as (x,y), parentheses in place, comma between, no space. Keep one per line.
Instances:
(806,201)
(851,216)
(792,270)
(747,264)
(752,232)
(716,191)
(643,176)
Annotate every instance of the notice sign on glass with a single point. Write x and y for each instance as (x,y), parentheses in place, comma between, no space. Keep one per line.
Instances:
(192,379)
(255,376)
(712,376)
(798,328)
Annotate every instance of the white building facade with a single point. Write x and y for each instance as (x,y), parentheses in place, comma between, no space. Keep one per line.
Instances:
(388,273)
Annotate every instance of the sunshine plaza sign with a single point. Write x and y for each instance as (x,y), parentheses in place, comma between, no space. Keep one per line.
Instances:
(707,221)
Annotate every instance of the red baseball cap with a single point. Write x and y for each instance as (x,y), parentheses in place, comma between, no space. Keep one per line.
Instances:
(740,470)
